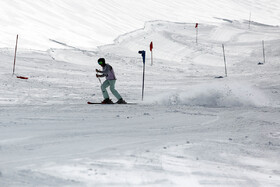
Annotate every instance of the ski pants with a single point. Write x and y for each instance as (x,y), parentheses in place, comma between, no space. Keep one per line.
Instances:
(110,83)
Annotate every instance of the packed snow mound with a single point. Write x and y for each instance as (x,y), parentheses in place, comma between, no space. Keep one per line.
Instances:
(91,23)
(229,94)
(176,41)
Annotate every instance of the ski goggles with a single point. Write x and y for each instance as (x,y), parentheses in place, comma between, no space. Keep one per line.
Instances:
(100,62)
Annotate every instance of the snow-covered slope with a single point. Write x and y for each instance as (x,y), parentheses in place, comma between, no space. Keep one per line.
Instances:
(192,129)
(90,23)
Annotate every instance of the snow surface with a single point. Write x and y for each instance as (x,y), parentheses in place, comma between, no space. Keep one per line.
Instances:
(90,23)
(192,129)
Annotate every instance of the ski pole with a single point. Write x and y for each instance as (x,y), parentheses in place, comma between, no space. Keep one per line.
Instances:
(99,80)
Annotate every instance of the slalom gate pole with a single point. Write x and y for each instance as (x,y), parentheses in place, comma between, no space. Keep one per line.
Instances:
(143,82)
(15,56)
(224,59)
(196,34)
(263,52)
(151,49)
(143,54)
(151,58)
(196,28)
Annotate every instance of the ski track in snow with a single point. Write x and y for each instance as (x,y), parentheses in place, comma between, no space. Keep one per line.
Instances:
(191,129)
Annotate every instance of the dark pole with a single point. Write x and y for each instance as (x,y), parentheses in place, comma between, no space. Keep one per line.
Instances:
(143,53)
(143,82)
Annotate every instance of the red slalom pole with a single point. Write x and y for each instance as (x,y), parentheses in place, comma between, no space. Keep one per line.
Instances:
(15,56)
(151,49)
(196,26)
(20,77)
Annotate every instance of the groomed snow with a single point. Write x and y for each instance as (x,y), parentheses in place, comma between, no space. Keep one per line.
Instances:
(90,23)
(192,129)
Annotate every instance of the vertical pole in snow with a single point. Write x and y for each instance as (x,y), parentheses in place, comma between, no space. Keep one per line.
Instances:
(196,35)
(263,52)
(143,53)
(196,26)
(143,82)
(151,49)
(225,59)
(250,20)
(151,58)
(15,56)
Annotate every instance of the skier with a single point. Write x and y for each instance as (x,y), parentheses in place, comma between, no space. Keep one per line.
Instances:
(108,72)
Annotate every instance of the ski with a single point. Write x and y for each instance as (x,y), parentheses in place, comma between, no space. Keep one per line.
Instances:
(95,103)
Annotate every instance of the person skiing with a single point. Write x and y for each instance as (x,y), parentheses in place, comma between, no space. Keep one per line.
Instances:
(108,72)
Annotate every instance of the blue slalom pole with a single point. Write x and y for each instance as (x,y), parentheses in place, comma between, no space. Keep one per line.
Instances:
(143,53)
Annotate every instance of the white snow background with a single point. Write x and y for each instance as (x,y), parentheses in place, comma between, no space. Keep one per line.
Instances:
(192,129)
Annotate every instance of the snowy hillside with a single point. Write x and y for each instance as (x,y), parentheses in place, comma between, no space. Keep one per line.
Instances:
(192,129)
(90,23)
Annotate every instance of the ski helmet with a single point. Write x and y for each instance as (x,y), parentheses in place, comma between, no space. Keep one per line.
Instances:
(101,61)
